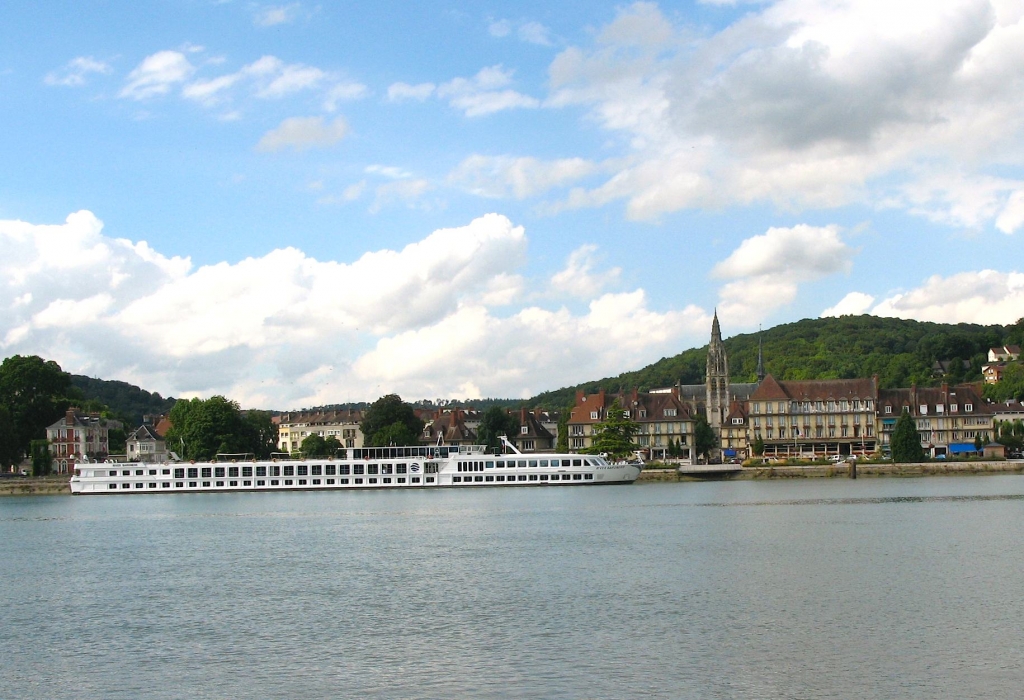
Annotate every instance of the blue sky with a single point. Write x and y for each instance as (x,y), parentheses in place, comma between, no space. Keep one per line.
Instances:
(294,204)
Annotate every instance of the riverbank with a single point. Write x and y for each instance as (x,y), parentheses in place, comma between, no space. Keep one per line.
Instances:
(35,486)
(831,471)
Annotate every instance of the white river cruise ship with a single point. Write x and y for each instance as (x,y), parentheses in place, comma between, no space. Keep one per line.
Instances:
(360,468)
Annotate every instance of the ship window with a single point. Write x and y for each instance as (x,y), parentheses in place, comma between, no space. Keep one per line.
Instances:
(289,470)
(233,472)
(303,470)
(575,463)
(220,483)
(543,463)
(386,480)
(577,477)
(316,482)
(206,484)
(288,482)
(533,463)
(152,485)
(207,472)
(544,477)
(112,486)
(126,486)
(357,481)
(247,472)
(126,472)
(533,477)
(330,482)
(371,469)
(488,478)
(274,482)
(489,465)
(275,470)
(501,477)
(138,485)
(152,472)
(316,470)
(219,472)
(456,479)
(588,476)
(387,468)
(400,479)
(343,469)
(330,470)
(416,479)
(478,478)
(302,482)
(138,472)
(522,477)
(192,484)
(401,469)
(342,481)
(428,479)
(113,472)
(500,465)
(522,463)
(358,469)
(179,484)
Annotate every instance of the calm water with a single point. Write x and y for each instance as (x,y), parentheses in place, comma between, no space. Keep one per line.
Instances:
(881,588)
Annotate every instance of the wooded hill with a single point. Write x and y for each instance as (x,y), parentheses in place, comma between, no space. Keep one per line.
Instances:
(899,351)
(124,399)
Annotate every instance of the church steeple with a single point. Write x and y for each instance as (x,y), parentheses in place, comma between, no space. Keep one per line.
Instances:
(717,378)
(760,357)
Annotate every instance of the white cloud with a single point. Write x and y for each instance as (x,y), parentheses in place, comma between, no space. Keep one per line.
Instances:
(291,79)
(301,133)
(285,330)
(389,171)
(500,28)
(986,297)
(76,71)
(157,74)
(275,15)
(809,103)
(853,304)
(343,91)
(483,94)
(534,33)
(406,191)
(508,176)
(766,270)
(579,279)
(399,92)
(1012,216)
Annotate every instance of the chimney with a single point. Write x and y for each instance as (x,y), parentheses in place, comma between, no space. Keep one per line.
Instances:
(69,416)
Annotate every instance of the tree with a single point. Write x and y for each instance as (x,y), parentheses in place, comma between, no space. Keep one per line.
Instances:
(34,391)
(332,445)
(261,433)
(10,450)
(758,445)
(390,421)
(203,429)
(905,441)
(562,441)
(313,446)
(704,439)
(495,422)
(614,435)
(42,460)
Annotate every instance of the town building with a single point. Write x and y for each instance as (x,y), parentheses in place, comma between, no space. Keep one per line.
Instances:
(814,418)
(78,437)
(949,418)
(341,424)
(450,427)
(146,445)
(1006,353)
(537,431)
(663,418)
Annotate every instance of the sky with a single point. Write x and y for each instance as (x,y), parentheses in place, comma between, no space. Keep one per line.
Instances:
(309,203)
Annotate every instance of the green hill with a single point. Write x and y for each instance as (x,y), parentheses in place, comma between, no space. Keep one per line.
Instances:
(899,351)
(122,398)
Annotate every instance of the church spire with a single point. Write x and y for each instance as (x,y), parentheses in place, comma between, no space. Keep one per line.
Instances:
(760,356)
(716,379)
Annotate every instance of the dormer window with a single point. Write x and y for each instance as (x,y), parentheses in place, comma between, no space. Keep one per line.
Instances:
(952,408)
(969,407)
(593,415)
(670,411)
(625,414)
(523,430)
(643,413)
(888,409)
(924,409)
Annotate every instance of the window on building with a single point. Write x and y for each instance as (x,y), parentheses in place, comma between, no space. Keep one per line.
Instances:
(593,415)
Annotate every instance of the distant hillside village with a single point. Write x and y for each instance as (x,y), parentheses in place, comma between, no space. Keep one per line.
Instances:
(770,417)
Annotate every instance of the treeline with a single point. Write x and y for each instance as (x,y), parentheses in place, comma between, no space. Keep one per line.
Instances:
(123,398)
(899,351)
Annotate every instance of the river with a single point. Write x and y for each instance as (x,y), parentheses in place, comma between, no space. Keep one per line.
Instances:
(824,588)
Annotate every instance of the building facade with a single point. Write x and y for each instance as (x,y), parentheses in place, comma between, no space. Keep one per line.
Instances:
(949,419)
(78,437)
(341,424)
(146,445)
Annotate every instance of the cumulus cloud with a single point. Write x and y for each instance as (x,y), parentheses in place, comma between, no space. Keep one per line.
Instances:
(531,32)
(399,92)
(765,271)
(302,133)
(579,278)
(808,103)
(157,74)
(485,93)
(76,71)
(285,329)
(522,177)
(405,190)
(275,15)
(853,304)
(986,297)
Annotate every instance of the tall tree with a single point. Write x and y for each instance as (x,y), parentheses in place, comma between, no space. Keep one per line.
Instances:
(313,446)
(390,421)
(261,433)
(496,421)
(614,435)
(906,441)
(10,450)
(562,440)
(203,429)
(704,439)
(34,391)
